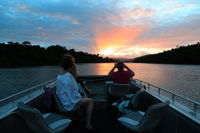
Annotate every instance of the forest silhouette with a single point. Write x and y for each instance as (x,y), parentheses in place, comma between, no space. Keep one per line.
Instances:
(180,55)
(14,54)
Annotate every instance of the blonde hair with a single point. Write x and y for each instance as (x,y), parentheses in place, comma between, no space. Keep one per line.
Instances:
(74,71)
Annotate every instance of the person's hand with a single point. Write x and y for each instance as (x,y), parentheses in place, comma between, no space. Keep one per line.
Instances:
(125,66)
(115,65)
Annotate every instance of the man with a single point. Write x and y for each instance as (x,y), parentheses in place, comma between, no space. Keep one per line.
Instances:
(121,76)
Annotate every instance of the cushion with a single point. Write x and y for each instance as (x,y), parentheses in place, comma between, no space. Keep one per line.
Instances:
(128,121)
(56,121)
(59,123)
(131,119)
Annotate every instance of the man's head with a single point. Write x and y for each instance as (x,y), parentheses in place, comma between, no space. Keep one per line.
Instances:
(120,65)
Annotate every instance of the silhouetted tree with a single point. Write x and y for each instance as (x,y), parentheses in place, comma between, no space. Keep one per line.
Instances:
(26,43)
(180,55)
(25,54)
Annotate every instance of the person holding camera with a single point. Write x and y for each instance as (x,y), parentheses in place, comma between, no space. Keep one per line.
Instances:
(123,73)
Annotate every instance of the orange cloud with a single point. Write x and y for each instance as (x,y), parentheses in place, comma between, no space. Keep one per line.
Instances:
(114,38)
(181,7)
(133,41)
(75,22)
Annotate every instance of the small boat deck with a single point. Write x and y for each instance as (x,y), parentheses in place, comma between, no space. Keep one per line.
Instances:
(104,121)
(104,116)
(99,89)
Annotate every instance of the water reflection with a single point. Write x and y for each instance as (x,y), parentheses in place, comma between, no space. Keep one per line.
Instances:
(181,79)
(94,68)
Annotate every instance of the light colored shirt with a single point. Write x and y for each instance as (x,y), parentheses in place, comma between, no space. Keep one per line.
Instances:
(67,91)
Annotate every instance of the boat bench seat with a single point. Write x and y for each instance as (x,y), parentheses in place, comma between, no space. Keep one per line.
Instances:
(139,121)
(42,123)
(75,114)
(55,101)
(59,107)
(56,121)
(131,119)
(129,102)
(120,90)
(117,90)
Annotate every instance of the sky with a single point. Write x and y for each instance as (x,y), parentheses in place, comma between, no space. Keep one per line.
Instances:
(113,28)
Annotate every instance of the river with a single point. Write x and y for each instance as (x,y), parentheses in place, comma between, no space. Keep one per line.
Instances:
(181,79)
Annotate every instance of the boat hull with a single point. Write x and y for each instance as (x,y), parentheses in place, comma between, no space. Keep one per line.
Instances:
(105,117)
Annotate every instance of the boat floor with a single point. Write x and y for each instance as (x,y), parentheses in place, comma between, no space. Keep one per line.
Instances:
(104,116)
(99,89)
(104,120)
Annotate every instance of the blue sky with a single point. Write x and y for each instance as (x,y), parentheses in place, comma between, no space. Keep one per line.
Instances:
(116,28)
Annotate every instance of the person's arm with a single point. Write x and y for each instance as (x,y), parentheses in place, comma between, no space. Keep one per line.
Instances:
(112,70)
(128,69)
(85,88)
(72,90)
(74,71)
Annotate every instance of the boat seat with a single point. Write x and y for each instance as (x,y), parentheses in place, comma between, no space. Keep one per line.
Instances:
(135,100)
(139,121)
(75,114)
(59,107)
(129,102)
(42,123)
(81,89)
(117,90)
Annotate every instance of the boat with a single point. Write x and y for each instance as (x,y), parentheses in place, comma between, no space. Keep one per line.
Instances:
(181,116)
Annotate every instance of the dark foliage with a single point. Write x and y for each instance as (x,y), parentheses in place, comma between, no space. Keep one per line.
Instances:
(19,55)
(181,55)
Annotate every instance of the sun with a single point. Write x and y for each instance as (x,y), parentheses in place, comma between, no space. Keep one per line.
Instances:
(107,52)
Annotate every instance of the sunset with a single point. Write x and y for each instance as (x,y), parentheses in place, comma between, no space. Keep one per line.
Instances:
(125,28)
(100,66)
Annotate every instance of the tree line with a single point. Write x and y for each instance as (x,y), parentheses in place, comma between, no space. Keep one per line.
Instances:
(189,54)
(14,54)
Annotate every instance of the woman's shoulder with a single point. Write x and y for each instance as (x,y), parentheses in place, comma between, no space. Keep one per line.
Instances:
(64,76)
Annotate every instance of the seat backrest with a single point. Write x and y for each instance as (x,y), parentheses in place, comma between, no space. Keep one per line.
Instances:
(133,86)
(58,105)
(153,116)
(119,90)
(33,118)
(81,90)
(49,97)
(135,100)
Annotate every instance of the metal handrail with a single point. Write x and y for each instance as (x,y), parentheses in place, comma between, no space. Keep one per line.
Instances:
(195,104)
(24,91)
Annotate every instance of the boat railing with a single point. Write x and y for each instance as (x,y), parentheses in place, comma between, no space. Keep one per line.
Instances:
(8,104)
(26,91)
(172,95)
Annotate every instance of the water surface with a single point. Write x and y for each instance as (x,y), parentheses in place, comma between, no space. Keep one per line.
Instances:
(181,79)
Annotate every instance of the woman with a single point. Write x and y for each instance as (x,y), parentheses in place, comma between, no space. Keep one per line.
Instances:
(121,76)
(81,85)
(67,90)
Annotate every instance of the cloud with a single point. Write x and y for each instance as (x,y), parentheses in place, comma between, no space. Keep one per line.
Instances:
(142,12)
(171,35)
(116,28)
(75,22)
(179,7)
(117,36)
